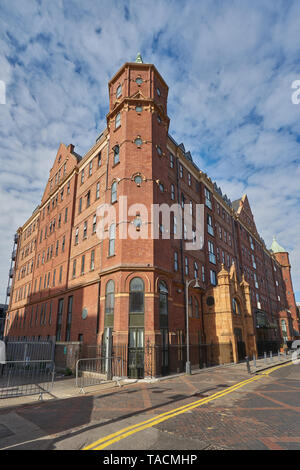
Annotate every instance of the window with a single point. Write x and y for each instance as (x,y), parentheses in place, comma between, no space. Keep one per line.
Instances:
(138,109)
(138,180)
(186,265)
(163,298)
(94,223)
(59,319)
(85,229)
(159,151)
(253,262)
(255,281)
(196,270)
(136,295)
(213,278)
(60,274)
(114,192)
(203,273)
(161,187)
(139,80)
(82,264)
(190,306)
(63,243)
(138,141)
(80,205)
(119,91)
(180,170)
(82,176)
(251,242)
(236,307)
(66,214)
(172,192)
(76,236)
(99,159)
(109,298)
(212,257)
(68,188)
(207,195)
(112,236)
(69,318)
(191,208)
(176,261)
(92,265)
(88,199)
(190,179)
(171,160)
(210,228)
(116,154)
(74,268)
(118,120)
(158,91)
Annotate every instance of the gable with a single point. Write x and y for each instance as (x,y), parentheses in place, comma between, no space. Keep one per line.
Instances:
(65,161)
(245,214)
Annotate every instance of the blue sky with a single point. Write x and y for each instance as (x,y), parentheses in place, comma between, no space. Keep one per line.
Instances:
(229,65)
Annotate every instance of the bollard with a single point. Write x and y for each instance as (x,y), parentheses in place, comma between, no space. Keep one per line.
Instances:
(248,365)
(271,356)
(254,361)
(265,357)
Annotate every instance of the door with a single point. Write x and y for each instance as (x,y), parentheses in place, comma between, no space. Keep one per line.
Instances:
(241,347)
(136,353)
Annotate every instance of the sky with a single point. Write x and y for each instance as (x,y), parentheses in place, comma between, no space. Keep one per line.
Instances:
(229,65)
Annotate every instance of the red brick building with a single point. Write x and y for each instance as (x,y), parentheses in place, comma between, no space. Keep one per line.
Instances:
(69,283)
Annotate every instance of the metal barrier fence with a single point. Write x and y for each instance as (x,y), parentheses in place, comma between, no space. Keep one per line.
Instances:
(20,378)
(29,350)
(97,370)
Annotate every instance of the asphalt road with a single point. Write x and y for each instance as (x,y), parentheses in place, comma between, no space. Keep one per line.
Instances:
(222,409)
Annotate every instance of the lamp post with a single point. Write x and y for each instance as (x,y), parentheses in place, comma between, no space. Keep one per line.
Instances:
(196,286)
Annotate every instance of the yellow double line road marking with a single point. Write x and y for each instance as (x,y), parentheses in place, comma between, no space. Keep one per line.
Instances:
(128,431)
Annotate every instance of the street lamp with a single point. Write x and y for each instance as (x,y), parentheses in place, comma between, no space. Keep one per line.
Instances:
(196,286)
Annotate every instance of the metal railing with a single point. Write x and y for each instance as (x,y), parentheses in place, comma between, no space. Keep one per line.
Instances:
(95,371)
(21,378)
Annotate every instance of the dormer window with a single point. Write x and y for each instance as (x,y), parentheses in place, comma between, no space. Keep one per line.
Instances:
(119,91)
(139,80)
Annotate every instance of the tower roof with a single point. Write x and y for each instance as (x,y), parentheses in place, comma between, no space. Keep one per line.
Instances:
(139,59)
(276,248)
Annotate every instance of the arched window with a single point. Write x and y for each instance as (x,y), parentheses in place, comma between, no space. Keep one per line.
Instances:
(163,298)
(114,192)
(236,307)
(110,298)
(116,154)
(112,237)
(136,296)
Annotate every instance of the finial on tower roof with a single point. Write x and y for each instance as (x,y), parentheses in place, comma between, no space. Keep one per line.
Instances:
(139,59)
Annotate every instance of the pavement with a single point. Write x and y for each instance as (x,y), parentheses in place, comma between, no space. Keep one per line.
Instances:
(217,408)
